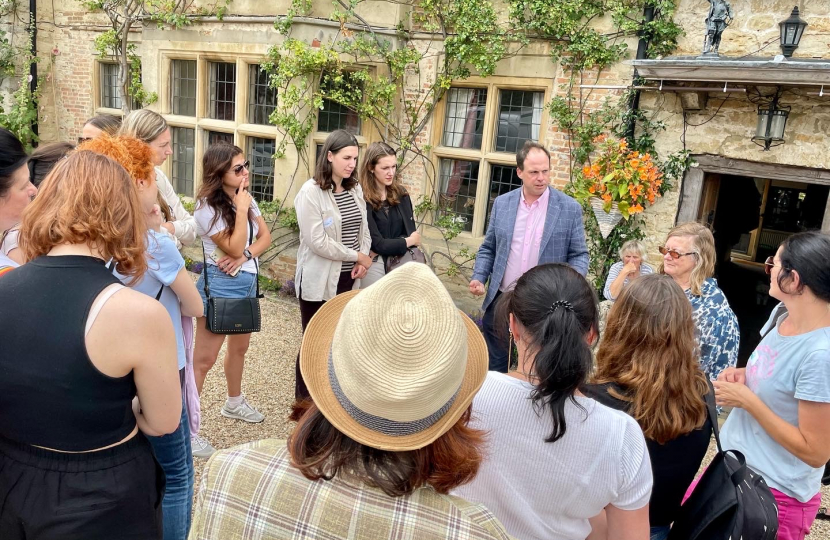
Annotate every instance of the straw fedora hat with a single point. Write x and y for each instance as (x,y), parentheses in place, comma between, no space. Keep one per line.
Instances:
(393,366)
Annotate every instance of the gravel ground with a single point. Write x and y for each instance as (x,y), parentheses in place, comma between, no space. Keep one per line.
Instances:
(269,385)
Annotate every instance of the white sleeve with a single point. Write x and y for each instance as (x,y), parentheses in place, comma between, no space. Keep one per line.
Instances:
(635,470)
(185,224)
(612,275)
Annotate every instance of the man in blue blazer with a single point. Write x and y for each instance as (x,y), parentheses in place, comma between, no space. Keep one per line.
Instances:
(532,225)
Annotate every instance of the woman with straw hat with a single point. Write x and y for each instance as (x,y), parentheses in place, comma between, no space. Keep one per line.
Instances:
(386,437)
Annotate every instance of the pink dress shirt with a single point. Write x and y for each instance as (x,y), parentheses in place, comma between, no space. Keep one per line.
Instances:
(527,239)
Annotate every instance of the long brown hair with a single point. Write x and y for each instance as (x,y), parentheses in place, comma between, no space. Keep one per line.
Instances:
(335,142)
(320,451)
(649,351)
(88,198)
(215,163)
(371,191)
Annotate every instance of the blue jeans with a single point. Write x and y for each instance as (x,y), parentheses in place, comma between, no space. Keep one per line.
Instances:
(659,533)
(174,455)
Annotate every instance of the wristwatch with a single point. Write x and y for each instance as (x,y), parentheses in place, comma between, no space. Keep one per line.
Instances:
(247,253)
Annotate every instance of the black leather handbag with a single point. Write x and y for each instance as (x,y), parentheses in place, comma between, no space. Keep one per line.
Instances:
(233,315)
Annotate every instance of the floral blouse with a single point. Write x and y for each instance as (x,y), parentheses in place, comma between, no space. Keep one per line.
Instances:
(717,331)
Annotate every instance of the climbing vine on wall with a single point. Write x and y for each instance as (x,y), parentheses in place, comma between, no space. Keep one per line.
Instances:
(374,71)
(18,104)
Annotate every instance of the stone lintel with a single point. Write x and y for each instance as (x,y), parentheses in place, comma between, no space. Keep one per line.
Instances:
(756,71)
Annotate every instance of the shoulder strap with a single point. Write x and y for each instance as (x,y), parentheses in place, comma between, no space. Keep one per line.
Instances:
(111,267)
(712,411)
(778,312)
(204,271)
(251,241)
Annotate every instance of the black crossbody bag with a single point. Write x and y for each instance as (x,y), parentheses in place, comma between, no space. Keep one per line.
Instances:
(233,315)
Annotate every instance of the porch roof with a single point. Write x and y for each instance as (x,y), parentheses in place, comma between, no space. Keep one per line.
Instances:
(741,70)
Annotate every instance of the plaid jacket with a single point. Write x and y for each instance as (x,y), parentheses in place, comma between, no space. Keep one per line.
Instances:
(253,492)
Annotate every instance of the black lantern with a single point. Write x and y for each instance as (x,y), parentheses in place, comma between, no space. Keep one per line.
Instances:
(791,31)
(772,120)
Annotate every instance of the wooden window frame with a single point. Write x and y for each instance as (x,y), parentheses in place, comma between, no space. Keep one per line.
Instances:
(487,156)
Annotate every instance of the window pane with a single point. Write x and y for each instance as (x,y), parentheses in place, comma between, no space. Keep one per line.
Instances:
(217,136)
(464,121)
(520,117)
(334,115)
(261,179)
(459,180)
(503,178)
(184,87)
(110,90)
(262,99)
(222,91)
(183,159)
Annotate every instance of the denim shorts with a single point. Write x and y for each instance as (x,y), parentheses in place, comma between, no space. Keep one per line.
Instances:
(223,285)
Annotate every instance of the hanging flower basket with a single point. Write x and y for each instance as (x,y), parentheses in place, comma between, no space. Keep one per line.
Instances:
(607,219)
(619,184)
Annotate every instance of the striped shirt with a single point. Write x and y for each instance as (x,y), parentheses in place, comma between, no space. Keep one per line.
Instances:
(614,272)
(350,228)
(252,492)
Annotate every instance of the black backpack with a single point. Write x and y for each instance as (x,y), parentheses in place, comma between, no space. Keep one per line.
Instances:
(730,500)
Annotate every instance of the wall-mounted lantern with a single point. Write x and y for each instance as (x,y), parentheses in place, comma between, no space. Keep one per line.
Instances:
(772,120)
(791,31)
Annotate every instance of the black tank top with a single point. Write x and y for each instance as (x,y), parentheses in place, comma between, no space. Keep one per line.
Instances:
(50,392)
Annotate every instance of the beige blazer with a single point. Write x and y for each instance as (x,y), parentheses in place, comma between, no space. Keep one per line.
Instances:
(321,251)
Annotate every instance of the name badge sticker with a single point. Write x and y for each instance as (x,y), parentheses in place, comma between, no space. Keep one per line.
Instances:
(328,222)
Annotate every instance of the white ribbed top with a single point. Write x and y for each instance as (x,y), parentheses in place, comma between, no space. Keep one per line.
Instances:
(548,491)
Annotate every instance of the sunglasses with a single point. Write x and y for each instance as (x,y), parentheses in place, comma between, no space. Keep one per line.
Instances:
(82,140)
(238,169)
(769,264)
(673,253)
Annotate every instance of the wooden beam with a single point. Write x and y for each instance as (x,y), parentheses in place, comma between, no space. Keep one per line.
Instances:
(691,192)
(753,169)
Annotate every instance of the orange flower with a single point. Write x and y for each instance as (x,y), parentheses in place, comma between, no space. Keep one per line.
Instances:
(592,189)
(606,197)
(635,163)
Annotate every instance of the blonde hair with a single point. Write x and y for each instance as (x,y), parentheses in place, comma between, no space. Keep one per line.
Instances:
(633,246)
(88,198)
(649,351)
(144,125)
(703,244)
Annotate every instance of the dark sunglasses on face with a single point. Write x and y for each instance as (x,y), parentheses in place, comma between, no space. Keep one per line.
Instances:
(673,253)
(238,169)
(82,140)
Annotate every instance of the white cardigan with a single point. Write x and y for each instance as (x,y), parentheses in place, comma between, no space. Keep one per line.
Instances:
(185,224)
(321,251)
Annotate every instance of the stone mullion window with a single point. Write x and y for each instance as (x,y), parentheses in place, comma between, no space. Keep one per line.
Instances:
(475,145)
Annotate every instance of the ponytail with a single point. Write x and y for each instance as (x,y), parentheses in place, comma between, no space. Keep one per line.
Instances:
(557,309)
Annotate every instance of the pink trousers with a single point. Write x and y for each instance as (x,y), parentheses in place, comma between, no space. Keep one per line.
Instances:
(794,517)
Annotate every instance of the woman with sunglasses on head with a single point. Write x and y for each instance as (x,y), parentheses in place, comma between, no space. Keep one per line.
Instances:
(647,366)
(334,233)
(234,235)
(389,209)
(689,259)
(151,128)
(16,192)
(781,399)
(556,458)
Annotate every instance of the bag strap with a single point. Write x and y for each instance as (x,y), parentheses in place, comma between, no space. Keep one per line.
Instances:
(712,411)
(204,271)
(251,241)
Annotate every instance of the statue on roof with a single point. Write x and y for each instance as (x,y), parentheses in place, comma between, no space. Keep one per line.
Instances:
(720,16)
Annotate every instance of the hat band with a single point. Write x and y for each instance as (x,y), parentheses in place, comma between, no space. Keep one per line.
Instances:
(384,425)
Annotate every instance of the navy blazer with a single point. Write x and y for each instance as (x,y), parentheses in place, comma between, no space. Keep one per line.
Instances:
(563,239)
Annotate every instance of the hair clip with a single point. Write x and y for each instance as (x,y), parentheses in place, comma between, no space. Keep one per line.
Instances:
(561,303)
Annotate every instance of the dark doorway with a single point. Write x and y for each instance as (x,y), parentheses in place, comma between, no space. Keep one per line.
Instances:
(750,217)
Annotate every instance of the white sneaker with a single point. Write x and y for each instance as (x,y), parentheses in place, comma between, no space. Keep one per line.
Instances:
(200,448)
(243,412)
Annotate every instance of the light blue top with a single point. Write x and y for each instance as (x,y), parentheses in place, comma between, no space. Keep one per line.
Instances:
(782,371)
(163,265)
